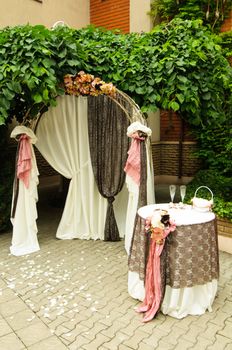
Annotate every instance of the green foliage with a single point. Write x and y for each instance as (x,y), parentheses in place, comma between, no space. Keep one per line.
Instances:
(221,187)
(215,147)
(211,12)
(226,43)
(33,62)
(178,66)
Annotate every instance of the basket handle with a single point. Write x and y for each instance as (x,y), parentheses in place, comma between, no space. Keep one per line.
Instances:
(207,189)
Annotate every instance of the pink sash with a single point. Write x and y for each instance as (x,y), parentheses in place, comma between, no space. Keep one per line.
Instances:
(24,160)
(151,303)
(133,164)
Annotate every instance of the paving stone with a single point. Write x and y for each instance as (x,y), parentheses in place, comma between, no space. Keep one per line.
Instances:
(123,347)
(22,319)
(165,346)
(143,346)
(193,332)
(11,342)
(220,343)
(134,341)
(174,335)
(227,330)
(51,343)
(11,307)
(98,341)
(113,329)
(202,343)
(7,294)
(92,333)
(34,333)
(227,307)
(155,337)
(184,345)
(114,343)
(4,328)
(78,343)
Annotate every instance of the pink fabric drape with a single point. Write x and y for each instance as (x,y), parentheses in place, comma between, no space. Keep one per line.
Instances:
(24,160)
(151,303)
(133,164)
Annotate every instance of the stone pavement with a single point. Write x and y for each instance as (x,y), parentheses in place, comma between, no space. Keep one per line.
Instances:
(73,295)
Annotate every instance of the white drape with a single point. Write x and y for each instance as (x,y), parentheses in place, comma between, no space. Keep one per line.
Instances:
(24,238)
(63,141)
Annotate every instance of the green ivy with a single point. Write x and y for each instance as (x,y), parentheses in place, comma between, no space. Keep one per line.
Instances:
(221,187)
(211,12)
(226,43)
(178,66)
(33,62)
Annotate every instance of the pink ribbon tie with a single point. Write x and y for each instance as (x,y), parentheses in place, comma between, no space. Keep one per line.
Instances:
(24,160)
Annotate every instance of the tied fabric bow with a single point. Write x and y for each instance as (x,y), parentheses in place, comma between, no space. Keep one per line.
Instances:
(24,160)
(133,164)
(152,300)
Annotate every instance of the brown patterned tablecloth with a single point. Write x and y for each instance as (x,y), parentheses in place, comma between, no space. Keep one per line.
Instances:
(190,256)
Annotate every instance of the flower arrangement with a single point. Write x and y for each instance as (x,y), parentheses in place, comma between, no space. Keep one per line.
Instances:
(159,226)
(86,84)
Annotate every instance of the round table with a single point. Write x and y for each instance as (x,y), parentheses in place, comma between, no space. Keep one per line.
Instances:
(191,261)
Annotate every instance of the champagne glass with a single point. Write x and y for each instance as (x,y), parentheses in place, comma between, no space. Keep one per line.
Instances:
(182,192)
(172,190)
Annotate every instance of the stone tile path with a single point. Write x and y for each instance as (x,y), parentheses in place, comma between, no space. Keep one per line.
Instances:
(73,295)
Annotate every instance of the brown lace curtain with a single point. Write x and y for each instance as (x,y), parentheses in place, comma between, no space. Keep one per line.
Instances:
(108,142)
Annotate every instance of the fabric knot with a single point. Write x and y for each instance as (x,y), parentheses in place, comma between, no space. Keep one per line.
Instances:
(110,200)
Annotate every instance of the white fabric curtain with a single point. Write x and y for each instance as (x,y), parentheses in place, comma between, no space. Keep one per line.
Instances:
(24,238)
(63,141)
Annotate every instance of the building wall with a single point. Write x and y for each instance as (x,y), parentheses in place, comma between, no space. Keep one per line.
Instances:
(75,13)
(139,17)
(126,15)
(110,14)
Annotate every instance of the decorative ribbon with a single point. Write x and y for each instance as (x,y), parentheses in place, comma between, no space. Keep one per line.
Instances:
(24,159)
(151,303)
(133,163)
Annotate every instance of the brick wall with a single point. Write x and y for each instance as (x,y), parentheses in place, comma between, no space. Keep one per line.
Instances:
(166,159)
(227,25)
(224,227)
(170,127)
(110,14)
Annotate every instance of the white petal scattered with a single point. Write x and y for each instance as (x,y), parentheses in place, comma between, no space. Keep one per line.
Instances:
(30,319)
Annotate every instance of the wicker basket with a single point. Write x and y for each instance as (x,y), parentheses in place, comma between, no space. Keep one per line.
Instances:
(202,204)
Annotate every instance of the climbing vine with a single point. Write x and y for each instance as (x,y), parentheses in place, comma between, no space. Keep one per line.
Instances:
(211,12)
(178,66)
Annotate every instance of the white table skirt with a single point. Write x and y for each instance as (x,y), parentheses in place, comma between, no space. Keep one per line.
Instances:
(180,302)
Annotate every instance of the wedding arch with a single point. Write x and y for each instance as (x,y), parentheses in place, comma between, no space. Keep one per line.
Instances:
(97,137)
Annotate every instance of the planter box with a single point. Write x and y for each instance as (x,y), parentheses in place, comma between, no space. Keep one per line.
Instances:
(224,227)
(224,235)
